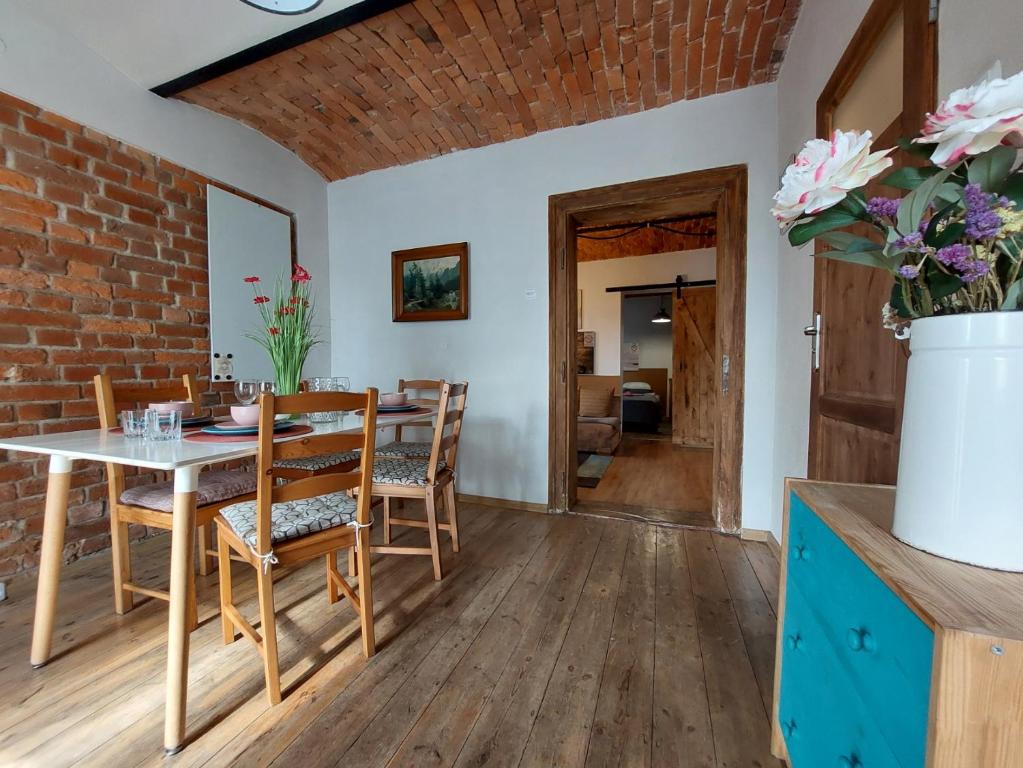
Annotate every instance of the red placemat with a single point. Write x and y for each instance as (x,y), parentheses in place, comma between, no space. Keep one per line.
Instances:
(415,412)
(206,437)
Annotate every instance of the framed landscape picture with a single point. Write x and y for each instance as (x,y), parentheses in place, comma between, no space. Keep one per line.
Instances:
(430,283)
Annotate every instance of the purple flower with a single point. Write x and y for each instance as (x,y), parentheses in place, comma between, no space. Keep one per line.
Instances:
(981,221)
(956,255)
(909,271)
(912,240)
(883,207)
(974,270)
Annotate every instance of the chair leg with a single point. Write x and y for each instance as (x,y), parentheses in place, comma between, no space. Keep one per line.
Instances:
(206,562)
(353,566)
(449,504)
(387,519)
(332,591)
(431,519)
(124,600)
(268,630)
(369,645)
(226,596)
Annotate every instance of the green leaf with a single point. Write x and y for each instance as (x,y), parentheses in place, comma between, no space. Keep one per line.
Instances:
(898,302)
(991,168)
(915,204)
(919,150)
(1013,296)
(825,221)
(864,258)
(847,241)
(949,192)
(942,284)
(1013,189)
(909,177)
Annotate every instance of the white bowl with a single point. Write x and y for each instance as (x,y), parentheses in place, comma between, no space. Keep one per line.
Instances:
(184,407)
(393,398)
(246,415)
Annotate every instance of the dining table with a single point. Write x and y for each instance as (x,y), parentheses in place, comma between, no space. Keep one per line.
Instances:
(185,458)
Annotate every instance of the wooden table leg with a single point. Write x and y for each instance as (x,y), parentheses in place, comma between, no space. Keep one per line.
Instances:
(182,575)
(50,558)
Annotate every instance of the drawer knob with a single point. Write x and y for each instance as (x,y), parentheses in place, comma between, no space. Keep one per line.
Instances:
(849,762)
(802,552)
(794,642)
(788,729)
(860,640)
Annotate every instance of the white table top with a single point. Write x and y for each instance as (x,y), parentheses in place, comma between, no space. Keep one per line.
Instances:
(113,447)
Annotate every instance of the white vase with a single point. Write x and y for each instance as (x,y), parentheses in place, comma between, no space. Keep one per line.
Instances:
(961,459)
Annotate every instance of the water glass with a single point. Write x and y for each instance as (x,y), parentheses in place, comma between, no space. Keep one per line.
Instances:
(163,426)
(246,391)
(342,384)
(322,384)
(133,423)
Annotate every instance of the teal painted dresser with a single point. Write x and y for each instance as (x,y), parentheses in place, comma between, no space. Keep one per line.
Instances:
(888,657)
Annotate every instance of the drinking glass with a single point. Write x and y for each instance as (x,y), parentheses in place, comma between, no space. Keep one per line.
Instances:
(322,384)
(163,426)
(246,391)
(133,423)
(342,384)
(267,387)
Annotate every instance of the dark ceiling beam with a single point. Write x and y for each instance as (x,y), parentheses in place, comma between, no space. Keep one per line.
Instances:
(311,31)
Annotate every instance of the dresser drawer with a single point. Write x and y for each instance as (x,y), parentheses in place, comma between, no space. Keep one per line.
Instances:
(878,643)
(822,717)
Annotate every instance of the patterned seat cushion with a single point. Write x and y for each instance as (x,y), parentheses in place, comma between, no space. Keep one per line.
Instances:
(314,463)
(292,519)
(402,450)
(213,487)
(402,471)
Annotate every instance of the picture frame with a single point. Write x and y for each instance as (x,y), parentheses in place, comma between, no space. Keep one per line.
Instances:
(430,283)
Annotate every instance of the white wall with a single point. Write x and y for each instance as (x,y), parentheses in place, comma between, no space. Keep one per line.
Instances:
(602,311)
(654,339)
(496,198)
(56,71)
(973,35)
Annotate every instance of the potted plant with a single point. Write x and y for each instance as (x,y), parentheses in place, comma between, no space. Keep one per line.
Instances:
(287,334)
(952,244)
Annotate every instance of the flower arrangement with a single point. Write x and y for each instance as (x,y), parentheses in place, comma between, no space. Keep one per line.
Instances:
(287,334)
(953,242)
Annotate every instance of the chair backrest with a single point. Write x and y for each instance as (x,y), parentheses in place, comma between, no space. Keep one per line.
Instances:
(447,427)
(111,397)
(418,391)
(268,492)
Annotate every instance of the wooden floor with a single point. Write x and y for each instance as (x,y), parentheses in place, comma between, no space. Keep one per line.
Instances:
(551,641)
(653,479)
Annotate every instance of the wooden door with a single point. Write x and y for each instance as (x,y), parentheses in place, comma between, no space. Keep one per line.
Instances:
(884,82)
(694,406)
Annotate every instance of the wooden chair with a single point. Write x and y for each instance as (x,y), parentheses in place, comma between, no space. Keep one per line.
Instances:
(427,479)
(300,520)
(416,389)
(153,504)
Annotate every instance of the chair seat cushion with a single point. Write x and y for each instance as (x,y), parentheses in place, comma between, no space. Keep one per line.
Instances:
(292,519)
(214,486)
(402,450)
(402,471)
(315,463)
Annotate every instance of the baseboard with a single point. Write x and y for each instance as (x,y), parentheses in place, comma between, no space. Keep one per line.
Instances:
(754,534)
(774,545)
(490,501)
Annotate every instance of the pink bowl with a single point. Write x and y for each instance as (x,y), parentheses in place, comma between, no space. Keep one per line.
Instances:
(181,406)
(246,415)
(393,398)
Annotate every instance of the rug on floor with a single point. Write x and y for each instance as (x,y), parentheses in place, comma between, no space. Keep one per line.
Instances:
(592,467)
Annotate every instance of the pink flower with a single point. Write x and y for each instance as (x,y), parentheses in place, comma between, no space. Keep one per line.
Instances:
(975,119)
(300,275)
(273,331)
(824,172)
(251,279)
(261,300)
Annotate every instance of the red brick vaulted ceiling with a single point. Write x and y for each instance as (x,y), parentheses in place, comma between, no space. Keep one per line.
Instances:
(436,76)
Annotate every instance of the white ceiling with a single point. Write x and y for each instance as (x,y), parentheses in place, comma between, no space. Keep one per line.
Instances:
(153,41)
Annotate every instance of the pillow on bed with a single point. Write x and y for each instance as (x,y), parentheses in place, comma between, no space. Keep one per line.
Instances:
(636,386)
(595,401)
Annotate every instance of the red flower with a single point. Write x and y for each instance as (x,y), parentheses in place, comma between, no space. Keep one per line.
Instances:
(300,275)
(273,331)
(286,311)
(261,300)
(251,279)
(293,300)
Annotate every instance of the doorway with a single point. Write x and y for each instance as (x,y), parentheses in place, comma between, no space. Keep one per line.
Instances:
(720,193)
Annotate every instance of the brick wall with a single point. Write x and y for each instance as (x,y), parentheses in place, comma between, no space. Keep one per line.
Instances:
(102,269)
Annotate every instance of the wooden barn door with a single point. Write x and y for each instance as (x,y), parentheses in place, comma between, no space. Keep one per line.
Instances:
(694,406)
(885,83)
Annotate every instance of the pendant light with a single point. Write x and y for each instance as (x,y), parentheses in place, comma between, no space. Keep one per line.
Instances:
(661,316)
(284,7)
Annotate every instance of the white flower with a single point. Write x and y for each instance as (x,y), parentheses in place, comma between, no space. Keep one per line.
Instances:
(824,172)
(975,119)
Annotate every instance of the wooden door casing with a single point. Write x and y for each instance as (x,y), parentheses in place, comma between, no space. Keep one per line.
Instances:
(857,393)
(694,359)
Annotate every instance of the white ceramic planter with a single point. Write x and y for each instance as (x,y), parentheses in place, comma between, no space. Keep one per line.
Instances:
(961,459)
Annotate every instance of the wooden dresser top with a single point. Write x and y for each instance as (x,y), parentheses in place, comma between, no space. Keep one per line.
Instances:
(942,592)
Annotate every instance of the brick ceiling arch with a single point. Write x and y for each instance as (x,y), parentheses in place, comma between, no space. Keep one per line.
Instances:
(435,76)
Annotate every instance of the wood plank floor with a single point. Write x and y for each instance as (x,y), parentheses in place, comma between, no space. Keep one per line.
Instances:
(551,641)
(655,480)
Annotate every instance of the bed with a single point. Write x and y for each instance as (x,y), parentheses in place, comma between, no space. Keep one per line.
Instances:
(642,409)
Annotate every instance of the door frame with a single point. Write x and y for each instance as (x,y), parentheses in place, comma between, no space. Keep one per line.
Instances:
(722,191)
(920,56)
